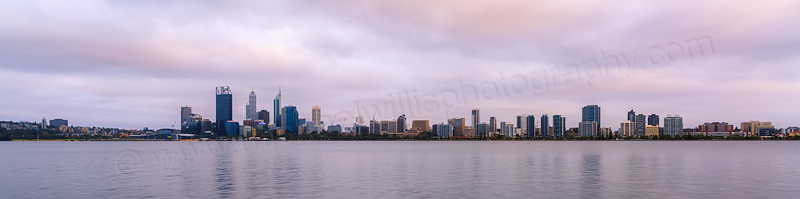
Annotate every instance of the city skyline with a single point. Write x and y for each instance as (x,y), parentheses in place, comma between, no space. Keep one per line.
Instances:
(95,65)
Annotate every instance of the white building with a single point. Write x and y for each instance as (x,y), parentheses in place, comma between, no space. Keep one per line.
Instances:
(627,128)
(673,125)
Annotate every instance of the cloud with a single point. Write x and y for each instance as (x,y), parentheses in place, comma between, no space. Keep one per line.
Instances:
(134,63)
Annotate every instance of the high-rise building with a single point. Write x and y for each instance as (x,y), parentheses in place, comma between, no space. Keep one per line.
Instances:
(652,120)
(251,112)
(458,126)
(186,112)
(530,123)
(421,125)
(401,123)
(276,108)
(559,126)
(640,123)
(632,115)
(264,115)
(291,119)
(507,129)
(476,117)
(673,125)
(544,126)
(231,128)
(588,129)
(224,109)
(492,125)
(591,113)
(521,121)
(444,130)
(44,123)
(392,125)
(374,127)
(315,115)
(481,130)
(627,128)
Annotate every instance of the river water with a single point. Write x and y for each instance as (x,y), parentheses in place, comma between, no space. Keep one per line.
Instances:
(401,169)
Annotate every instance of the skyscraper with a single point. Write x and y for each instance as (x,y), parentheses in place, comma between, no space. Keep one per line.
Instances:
(492,125)
(639,123)
(627,128)
(632,116)
(530,122)
(673,125)
(264,115)
(588,129)
(360,120)
(476,117)
(544,126)
(250,109)
(186,112)
(276,103)
(401,123)
(591,113)
(315,115)
(652,120)
(44,123)
(291,119)
(224,108)
(559,125)
(457,126)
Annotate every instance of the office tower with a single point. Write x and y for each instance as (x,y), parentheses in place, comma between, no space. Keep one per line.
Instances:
(652,120)
(315,115)
(231,128)
(458,126)
(591,113)
(628,128)
(290,119)
(444,130)
(476,117)
(481,129)
(250,109)
(374,127)
(521,121)
(392,125)
(264,115)
(276,108)
(401,123)
(544,126)
(421,125)
(360,120)
(186,112)
(673,125)
(44,123)
(507,129)
(224,108)
(559,125)
(640,124)
(632,116)
(530,126)
(492,125)
(588,129)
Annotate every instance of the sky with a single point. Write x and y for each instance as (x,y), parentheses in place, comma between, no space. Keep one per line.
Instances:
(133,64)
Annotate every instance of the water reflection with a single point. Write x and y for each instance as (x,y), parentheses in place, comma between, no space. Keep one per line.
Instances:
(591,182)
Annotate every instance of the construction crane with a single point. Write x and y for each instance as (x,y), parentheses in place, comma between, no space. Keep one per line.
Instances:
(173,123)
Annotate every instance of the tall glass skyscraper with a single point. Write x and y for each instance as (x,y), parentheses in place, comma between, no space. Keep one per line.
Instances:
(531,126)
(476,117)
(224,108)
(251,112)
(277,108)
(559,125)
(591,113)
(545,126)
(292,119)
